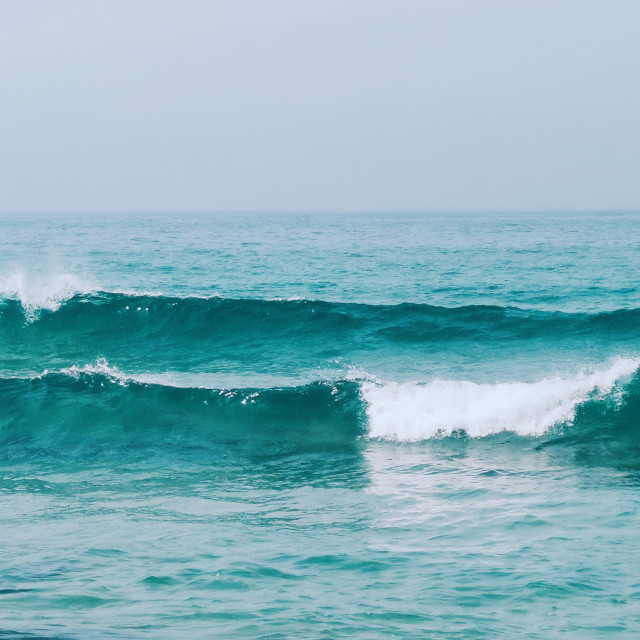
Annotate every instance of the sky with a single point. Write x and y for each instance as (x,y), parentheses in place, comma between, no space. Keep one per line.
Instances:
(319,105)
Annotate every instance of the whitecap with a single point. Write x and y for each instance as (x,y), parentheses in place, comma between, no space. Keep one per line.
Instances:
(419,411)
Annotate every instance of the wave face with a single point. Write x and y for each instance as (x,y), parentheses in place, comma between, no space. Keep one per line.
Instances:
(82,412)
(278,337)
(68,308)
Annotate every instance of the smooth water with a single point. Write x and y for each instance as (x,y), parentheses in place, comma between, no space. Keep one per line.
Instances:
(320,426)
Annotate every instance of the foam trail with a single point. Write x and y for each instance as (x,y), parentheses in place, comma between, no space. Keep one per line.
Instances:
(413,411)
(37,292)
(184,380)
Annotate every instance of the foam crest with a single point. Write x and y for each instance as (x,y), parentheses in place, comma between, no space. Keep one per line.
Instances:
(37,292)
(413,411)
(99,367)
(182,380)
(102,367)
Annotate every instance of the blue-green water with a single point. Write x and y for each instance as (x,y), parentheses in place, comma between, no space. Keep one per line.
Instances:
(320,427)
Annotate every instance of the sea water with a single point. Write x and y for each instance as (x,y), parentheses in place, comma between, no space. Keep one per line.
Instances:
(366,426)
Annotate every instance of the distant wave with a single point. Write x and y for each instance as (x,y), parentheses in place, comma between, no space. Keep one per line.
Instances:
(96,408)
(63,309)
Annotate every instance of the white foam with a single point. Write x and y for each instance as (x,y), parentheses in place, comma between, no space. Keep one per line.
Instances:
(183,380)
(101,366)
(413,411)
(41,291)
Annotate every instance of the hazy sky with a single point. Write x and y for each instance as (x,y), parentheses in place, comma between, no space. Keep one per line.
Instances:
(323,105)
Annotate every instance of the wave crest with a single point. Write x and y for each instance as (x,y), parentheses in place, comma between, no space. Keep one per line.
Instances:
(36,292)
(412,412)
(407,412)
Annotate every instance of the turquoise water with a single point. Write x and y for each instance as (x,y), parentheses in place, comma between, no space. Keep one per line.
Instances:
(320,426)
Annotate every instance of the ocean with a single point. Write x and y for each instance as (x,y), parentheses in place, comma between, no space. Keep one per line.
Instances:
(320,426)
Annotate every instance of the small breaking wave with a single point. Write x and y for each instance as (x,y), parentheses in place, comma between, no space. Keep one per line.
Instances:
(413,411)
(37,292)
(87,408)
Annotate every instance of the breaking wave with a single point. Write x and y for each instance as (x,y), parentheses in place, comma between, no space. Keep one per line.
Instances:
(41,292)
(96,407)
(413,412)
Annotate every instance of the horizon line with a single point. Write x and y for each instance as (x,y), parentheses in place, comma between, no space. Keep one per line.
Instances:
(321,212)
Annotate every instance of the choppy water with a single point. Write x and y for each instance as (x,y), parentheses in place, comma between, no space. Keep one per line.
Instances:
(319,427)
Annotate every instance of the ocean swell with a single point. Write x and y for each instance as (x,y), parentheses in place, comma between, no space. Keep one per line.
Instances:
(93,409)
(297,337)
(67,305)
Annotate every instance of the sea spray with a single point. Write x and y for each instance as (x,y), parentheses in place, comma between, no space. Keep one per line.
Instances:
(39,291)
